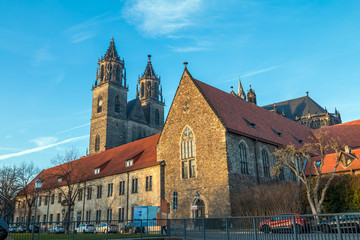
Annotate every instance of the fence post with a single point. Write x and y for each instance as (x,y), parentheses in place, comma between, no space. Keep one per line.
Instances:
(185,229)
(107,228)
(168,228)
(141,226)
(294,228)
(338,227)
(203,226)
(73,234)
(39,230)
(254,226)
(227,228)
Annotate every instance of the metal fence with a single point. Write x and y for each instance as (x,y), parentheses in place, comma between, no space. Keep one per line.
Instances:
(280,227)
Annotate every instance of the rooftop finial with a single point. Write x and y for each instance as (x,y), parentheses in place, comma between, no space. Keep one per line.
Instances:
(112,39)
(149,56)
(307,93)
(185,63)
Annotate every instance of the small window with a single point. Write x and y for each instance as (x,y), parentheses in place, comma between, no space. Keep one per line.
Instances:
(59,198)
(298,139)
(89,192)
(99,191)
(192,169)
(97,143)
(121,214)
(157,117)
(59,180)
(80,195)
(109,215)
(148,183)
(128,163)
(97,171)
(252,125)
(110,189)
(318,163)
(134,188)
(122,188)
(52,199)
(276,132)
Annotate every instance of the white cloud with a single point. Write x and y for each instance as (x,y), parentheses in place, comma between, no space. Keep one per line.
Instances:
(73,128)
(259,71)
(187,49)
(40,148)
(42,55)
(162,17)
(43,141)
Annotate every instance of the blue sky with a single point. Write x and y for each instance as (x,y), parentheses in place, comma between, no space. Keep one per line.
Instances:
(49,52)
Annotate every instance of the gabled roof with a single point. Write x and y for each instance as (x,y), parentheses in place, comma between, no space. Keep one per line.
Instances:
(347,133)
(111,53)
(242,117)
(111,162)
(298,106)
(149,70)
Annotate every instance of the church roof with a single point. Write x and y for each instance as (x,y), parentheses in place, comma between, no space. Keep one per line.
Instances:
(149,70)
(111,53)
(248,119)
(110,162)
(298,106)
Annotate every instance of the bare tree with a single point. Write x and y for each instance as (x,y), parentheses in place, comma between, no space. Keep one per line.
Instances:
(71,175)
(9,184)
(313,179)
(26,172)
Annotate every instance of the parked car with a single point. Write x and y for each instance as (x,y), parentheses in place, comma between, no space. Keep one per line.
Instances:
(20,229)
(36,228)
(127,228)
(347,223)
(85,228)
(106,228)
(56,229)
(284,222)
(12,229)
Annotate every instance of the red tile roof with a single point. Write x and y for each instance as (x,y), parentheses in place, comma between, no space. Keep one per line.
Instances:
(330,162)
(110,162)
(347,133)
(236,115)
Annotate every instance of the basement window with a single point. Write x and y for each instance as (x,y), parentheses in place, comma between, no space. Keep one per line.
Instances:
(252,125)
(97,171)
(128,163)
(276,132)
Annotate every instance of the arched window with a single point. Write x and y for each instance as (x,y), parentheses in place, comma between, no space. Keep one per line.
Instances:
(142,90)
(266,164)
(188,167)
(97,143)
(243,159)
(200,211)
(117,104)
(157,117)
(99,104)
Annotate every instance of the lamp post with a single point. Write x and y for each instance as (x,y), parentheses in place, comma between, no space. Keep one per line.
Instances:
(38,184)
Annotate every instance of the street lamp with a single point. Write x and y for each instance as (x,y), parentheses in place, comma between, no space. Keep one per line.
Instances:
(38,184)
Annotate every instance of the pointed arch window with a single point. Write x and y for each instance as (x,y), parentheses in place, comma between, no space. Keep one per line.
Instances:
(157,117)
(266,164)
(117,104)
(99,104)
(188,167)
(243,159)
(97,143)
(142,90)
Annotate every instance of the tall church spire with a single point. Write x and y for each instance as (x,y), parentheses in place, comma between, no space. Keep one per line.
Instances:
(111,53)
(149,83)
(241,92)
(149,70)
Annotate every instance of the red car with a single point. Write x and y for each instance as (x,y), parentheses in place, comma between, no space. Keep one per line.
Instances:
(283,223)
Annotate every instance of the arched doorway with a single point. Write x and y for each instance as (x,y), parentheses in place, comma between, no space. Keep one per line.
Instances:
(198,208)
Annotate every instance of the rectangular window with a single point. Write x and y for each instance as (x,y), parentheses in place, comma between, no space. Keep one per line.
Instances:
(192,170)
(40,198)
(59,180)
(129,163)
(46,200)
(89,192)
(52,199)
(51,219)
(109,215)
(99,191)
(80,195)
(184,169)
(59,199)
(98,216)
(121,214)
(58,218)
(44,218)
(38,218)
(122,188)
(148,184)
(134,188)
(88,216)
(110,189)
(97,171)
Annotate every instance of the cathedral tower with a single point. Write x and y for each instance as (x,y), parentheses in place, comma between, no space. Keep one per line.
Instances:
(150,95)
(108,118)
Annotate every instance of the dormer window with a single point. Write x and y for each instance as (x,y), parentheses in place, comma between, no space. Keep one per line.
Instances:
(276,132)
(96,170)
(252,125)
(59,180)
(128,163)
(298,139)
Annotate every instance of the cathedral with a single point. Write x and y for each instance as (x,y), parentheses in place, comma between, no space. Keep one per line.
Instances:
(116,121)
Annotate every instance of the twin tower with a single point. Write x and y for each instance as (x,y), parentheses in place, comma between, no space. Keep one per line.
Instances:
(114,120)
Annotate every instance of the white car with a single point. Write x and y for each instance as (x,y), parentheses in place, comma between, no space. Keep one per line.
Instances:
(85,228)
(104,228)
(56,229)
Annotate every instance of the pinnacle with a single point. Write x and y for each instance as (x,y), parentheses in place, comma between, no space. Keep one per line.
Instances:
(111,53)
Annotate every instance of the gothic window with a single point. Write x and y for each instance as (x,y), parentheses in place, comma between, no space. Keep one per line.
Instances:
(188,167)
(266,164)
(99,104)
(117,104)
(142,90)
(97,143)
(156,91)
(243,159)
(157,117)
